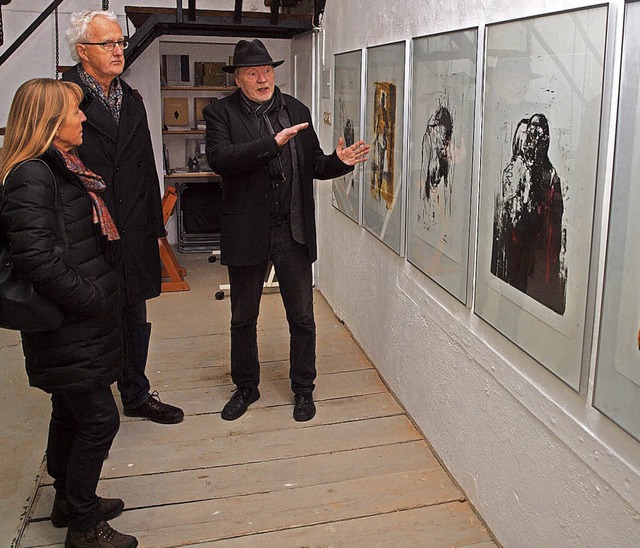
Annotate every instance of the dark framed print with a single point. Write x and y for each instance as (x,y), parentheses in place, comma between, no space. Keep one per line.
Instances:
(442,117)
(384,131)
(540,139)
(346,109)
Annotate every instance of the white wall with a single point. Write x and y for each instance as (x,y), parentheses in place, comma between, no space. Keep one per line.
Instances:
(542,466)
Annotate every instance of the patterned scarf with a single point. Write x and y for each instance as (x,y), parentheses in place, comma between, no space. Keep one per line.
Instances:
(92,183)
(112,101)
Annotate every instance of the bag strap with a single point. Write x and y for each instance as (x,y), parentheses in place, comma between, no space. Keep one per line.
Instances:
(56,199)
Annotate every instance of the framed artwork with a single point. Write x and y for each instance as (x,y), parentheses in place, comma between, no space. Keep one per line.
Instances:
(384,115)
(617,385)
(175,111)
(540,137)
(346,109)
(443,93)
(174,70)
(199,104)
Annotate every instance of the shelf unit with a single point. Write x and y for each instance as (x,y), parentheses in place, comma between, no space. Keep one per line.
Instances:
(199,193)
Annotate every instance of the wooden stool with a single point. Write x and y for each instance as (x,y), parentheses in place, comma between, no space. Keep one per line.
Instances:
(170,267)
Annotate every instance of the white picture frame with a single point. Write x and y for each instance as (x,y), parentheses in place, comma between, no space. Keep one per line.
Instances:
(441,133)
(540,139)
(382,194)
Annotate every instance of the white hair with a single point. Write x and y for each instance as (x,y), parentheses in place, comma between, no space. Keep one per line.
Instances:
(80,27)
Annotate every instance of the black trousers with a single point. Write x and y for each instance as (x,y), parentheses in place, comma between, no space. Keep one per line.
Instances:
(293,271)
(81,431)
(133,383)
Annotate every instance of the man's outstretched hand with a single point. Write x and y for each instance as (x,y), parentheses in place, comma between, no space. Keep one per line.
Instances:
(289,133)
(354,154)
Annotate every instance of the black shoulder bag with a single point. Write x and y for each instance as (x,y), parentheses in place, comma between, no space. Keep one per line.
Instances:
(21,307)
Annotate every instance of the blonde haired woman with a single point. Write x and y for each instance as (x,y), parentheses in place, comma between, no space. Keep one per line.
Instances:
(62,239)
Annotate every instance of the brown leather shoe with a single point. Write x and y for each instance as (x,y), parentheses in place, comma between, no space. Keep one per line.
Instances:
(154,410)
(100,536)
(107,509)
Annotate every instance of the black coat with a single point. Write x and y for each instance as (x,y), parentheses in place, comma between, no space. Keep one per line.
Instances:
(85,352)
(122,155)
(236,151)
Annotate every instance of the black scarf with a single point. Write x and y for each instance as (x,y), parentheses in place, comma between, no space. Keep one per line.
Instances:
(260,114)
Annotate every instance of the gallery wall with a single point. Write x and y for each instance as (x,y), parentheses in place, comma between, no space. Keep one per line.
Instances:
(515,413)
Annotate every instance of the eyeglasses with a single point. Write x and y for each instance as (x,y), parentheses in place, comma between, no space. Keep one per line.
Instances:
(109,45)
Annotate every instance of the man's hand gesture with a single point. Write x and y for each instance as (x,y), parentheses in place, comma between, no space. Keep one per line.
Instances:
(354,154)
(289,133)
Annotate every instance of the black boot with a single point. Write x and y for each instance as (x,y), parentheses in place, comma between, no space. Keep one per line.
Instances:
(102,535)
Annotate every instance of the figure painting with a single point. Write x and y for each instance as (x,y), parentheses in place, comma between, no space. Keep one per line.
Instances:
(383,198)
(347,101)
(441,138)
(436,169)
(542,109)
(384,139)
(529,240)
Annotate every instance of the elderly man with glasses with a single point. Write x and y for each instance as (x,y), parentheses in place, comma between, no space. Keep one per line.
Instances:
(117,146)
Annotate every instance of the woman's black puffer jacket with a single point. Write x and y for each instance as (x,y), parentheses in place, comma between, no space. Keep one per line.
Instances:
(85,352)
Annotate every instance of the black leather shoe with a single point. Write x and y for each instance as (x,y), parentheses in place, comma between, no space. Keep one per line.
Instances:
(154,410)
(107,508)
(304,408)
(239,402)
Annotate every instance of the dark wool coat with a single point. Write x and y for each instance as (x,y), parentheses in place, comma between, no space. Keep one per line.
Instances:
(122,155)
(236,151)
(85,352)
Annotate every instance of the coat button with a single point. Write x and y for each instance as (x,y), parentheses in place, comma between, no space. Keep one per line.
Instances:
(117,169)
(139,163)
(143,195)
(120,200)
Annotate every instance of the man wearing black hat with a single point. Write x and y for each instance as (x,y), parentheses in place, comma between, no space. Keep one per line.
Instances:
(262,143)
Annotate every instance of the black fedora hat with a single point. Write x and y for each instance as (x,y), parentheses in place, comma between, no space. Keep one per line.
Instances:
(250,54)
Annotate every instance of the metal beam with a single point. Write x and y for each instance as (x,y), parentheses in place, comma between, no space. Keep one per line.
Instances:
(275,9)
(237,12)
(29,31)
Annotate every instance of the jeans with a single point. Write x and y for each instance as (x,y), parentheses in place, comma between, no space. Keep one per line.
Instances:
(293,271)
(81,431)
(133,384)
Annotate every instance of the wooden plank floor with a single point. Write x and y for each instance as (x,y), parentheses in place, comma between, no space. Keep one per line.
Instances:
(358,474)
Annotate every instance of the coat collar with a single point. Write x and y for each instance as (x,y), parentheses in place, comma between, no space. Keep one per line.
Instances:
(103,122)
(236,102)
